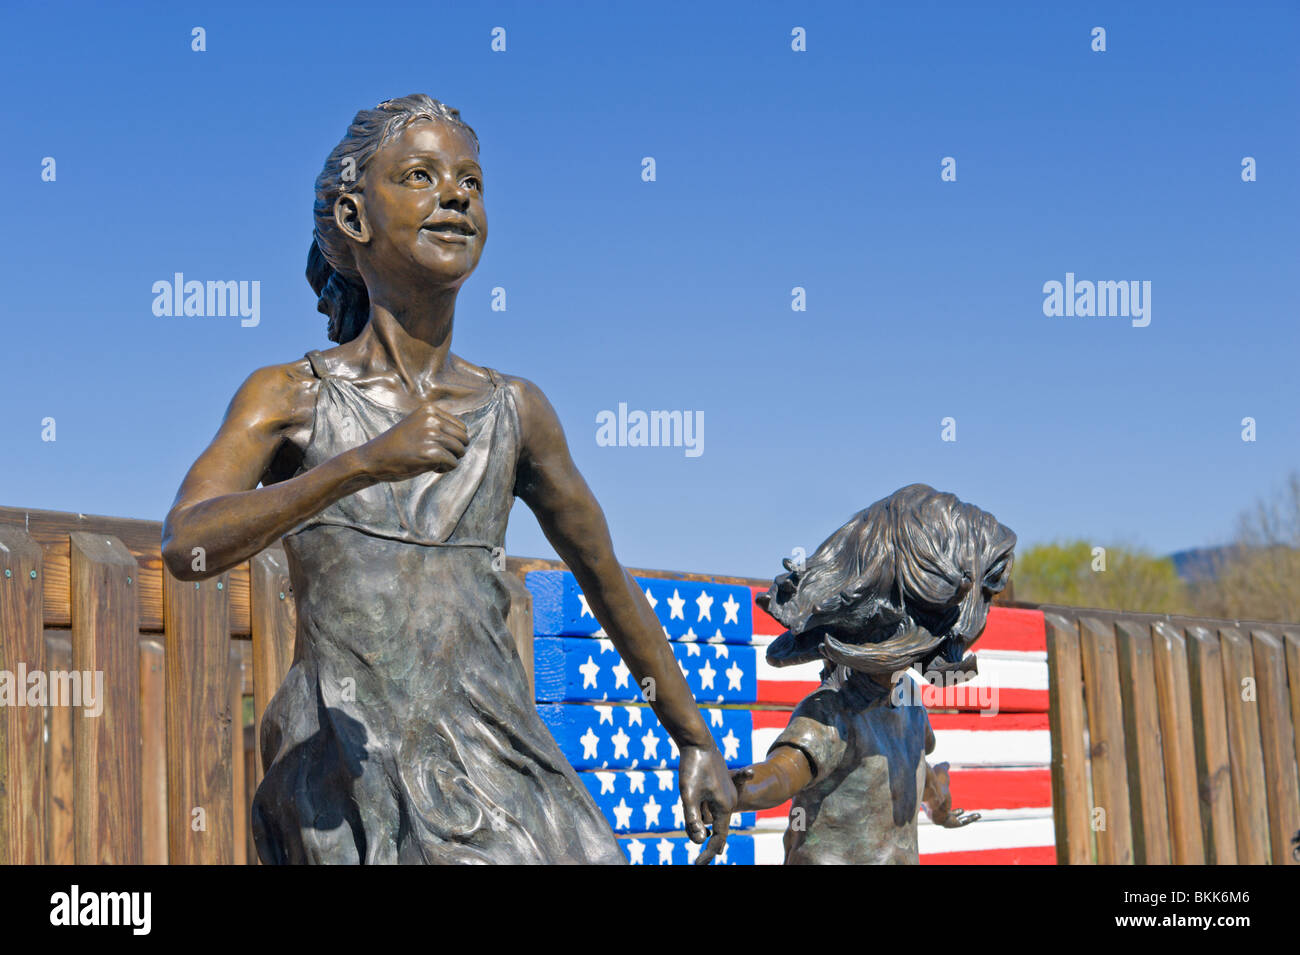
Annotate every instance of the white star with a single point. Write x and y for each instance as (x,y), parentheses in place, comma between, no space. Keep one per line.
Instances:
(636,851)
(730,746)
(685,672)
(586,611)
(707,673)
(621,673)
(734,673)
(733,610)
(606,782)
(672,748)
(715,717)
(589,741)
(650,742)
(589,671)
(651,810)
(606,646)
(633,715)
(679,818)
(705,603)
(620,741)
(665,777)
(676,603)
(636,782)
(665,852)
(622,815)
(717,636)
(606,715)
(721,650)
(650,599)
(689,635)
(692,851)
(693,650)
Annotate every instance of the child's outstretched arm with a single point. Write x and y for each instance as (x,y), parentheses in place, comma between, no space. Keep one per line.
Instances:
(773,781)
(938,799)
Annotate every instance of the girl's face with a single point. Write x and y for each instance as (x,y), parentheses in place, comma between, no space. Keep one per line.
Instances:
(421,203)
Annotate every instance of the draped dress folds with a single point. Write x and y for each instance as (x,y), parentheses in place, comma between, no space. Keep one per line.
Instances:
(404,732)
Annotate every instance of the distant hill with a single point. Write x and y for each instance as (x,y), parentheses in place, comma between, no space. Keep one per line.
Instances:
(1200,563)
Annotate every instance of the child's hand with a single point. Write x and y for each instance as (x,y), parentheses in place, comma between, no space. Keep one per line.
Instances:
(956,818)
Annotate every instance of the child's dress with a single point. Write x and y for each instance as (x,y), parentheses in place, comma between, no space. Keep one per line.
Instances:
(404,731)
(868,760)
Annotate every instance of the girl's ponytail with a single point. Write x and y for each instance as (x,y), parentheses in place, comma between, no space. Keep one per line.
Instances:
(344,300)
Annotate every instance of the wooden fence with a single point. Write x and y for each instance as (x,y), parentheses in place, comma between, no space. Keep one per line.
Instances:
(1173,738)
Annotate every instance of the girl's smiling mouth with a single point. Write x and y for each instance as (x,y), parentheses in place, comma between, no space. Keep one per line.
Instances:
(450,229)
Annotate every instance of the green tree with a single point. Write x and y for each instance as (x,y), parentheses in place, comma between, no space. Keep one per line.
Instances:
(1082,574)
(1258,578)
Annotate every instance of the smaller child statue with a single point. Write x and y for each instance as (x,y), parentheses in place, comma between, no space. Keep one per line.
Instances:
(905,583)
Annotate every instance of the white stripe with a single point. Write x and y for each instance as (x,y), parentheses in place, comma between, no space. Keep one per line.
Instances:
(769,849)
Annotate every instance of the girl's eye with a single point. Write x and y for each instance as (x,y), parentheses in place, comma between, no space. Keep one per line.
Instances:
(478,186)
(418,175)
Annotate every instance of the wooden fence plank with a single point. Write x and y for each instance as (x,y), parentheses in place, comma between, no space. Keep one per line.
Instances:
(22,726)
(1106,753)
(1210,734)
(1278,739)
(273,620)
(106,747)
(1145,749)
(199,722)
(1173,695)
(1069,760)
(237,794)
(50,529)
(153,752)
(59,846)
(1245,752)
(1291,638)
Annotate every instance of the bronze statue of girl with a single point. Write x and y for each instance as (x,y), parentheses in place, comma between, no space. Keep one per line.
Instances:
(404,731)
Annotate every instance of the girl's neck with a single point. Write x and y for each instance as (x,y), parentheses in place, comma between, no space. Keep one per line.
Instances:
(413,345)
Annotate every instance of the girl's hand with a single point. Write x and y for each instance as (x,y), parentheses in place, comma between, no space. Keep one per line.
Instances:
(708,798)
(428,439)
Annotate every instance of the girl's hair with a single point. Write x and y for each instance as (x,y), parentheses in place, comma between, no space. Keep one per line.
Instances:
(331,269)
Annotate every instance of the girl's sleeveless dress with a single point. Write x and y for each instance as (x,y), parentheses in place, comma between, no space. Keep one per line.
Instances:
(404,732)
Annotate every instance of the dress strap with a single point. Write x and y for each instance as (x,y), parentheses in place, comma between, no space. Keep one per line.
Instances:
(317,366)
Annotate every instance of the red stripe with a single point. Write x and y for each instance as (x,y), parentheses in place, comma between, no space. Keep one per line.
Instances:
(785,691)
(1013,628)
(1028,855)
(974,789)
(777,812)
(977,722)
(768,719)
(1005,699)
(765,624)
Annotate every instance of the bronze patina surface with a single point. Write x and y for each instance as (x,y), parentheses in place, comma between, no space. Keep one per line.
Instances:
(404,731)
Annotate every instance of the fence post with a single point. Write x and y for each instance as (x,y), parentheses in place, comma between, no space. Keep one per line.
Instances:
(1245,755)
(1210,733)
(1278,740)
(1069,761)
(199,721)
(22,726)
(1145,754)
(153,753)
(1174,696)
(1107,750)
(102,581)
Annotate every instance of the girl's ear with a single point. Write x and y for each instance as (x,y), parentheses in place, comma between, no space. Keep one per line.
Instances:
(350,215)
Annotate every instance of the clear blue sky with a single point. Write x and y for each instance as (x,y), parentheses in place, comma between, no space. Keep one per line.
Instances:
(775,169)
